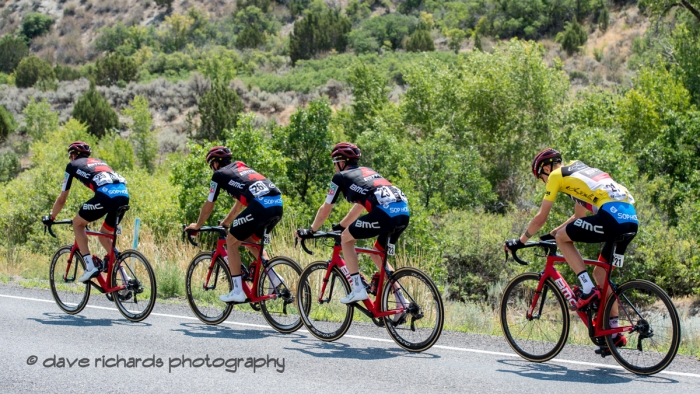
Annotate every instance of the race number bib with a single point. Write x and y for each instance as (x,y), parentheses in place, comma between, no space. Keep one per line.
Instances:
(258,189)
(618,260)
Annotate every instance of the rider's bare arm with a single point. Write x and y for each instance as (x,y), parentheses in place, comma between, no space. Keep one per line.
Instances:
(235,210)
(323,212)
(204,214)
(60,202)
(538,221)
(579,212)
(353,214)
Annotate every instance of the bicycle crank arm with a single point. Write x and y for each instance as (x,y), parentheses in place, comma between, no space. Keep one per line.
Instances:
(98,287)
(363,310)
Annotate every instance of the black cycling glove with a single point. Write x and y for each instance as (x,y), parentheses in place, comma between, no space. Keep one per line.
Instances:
(338,227)
(46,220)
(514,244)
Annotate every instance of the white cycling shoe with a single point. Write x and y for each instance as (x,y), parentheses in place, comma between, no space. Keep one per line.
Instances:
(355,296)
(89,274)
(233,297)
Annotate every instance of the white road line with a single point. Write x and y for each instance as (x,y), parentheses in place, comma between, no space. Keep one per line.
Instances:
(459,349)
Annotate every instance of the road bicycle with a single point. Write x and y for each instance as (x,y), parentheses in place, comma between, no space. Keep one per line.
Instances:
(208,277)
(535,317)
(126,277)
(415,326)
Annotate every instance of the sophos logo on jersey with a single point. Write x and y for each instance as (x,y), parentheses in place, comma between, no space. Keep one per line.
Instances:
(358,189)
(92,207)
(625,216)
(398,210)
(242,220)
(82,173)
(237,185)
(588,226)
(362,224)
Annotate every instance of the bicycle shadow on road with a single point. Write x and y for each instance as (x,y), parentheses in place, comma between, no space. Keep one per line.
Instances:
(61,319)
(559,373)
(200,330)
(319,349)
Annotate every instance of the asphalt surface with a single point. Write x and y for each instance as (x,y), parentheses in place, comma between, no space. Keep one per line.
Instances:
(97,350)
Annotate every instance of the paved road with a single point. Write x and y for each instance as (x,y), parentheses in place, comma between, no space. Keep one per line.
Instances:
(365,360)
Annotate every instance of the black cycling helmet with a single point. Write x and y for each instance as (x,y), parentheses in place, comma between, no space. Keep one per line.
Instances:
(79,148)
(345,151)
(547,156)
(218,153)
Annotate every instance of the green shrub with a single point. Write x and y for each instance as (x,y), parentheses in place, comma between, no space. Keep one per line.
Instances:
(252,27)
(168,4)
(144,141)
(7,123)
(32,69)
(116,151)
(392,28)
(114,68)
(9,166)
(572,38)
(12,51)
(39,119)
(35,24)
(219,110)
(66,73)
(420,41)
(319,32)
(94,111)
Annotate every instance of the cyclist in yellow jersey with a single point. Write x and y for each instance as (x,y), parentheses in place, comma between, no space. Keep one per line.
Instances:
(595,191)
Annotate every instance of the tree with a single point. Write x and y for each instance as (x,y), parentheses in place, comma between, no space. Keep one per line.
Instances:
(306,142)
(114,68)
(662,7)
(420,41)
(93,110)
(252,25)
(12,50)
(7,123)
(455,37)
(32,69)
(370,94)
(142,137)
(392,28)
(572,38)
(219,110)
(35,24)
(39,119)
(318,32)
(165,3)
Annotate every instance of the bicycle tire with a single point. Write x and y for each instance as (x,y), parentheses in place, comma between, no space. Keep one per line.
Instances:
(660,319)
(281,312)
(517,300)
(330,320)
(205,303)
(70,295)
(425,308)
(134,271)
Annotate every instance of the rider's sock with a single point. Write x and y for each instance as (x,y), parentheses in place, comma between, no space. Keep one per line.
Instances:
(400,300)
(89,265)
(274,278)
(237,284)
(614,323)
(356,281)
(586,283)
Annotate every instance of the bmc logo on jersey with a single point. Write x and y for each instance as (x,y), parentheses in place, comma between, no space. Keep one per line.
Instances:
(237,185)
(358,189)
(242,220)
(588,226)
(82,173)
(92,207)
(362,224)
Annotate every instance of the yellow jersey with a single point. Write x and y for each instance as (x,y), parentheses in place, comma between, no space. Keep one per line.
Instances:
(585,185)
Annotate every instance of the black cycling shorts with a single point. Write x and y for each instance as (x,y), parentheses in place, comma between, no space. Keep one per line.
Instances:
(378,224)
(253,220)
(100,205)
(601,227)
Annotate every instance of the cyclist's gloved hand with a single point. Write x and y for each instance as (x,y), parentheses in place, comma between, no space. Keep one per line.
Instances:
(514,244)
(46,220)
(547,237)
(305,232)
(338,227)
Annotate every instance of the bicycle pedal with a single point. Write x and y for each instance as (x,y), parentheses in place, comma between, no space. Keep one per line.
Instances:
(603,351)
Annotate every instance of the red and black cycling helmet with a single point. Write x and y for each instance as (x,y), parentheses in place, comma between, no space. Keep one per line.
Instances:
(218,153)
(346,151)
(547,156)
(79,148)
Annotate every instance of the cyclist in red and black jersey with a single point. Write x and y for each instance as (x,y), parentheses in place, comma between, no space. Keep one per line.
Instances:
(263,208)
(386,205)
(110,194)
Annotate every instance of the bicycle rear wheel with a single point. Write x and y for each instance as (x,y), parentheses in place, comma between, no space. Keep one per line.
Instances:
(70,295)
(653,342)
(133,271)
(324,315)
(281,312)
(418,328)
(204,283)
(540,336)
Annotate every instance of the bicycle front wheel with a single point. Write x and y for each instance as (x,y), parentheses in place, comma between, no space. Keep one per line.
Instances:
(536,331)
(205,282)
(321,311)
(281,277)
(420,325)
(649,312)
(70,295)
(134,272)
